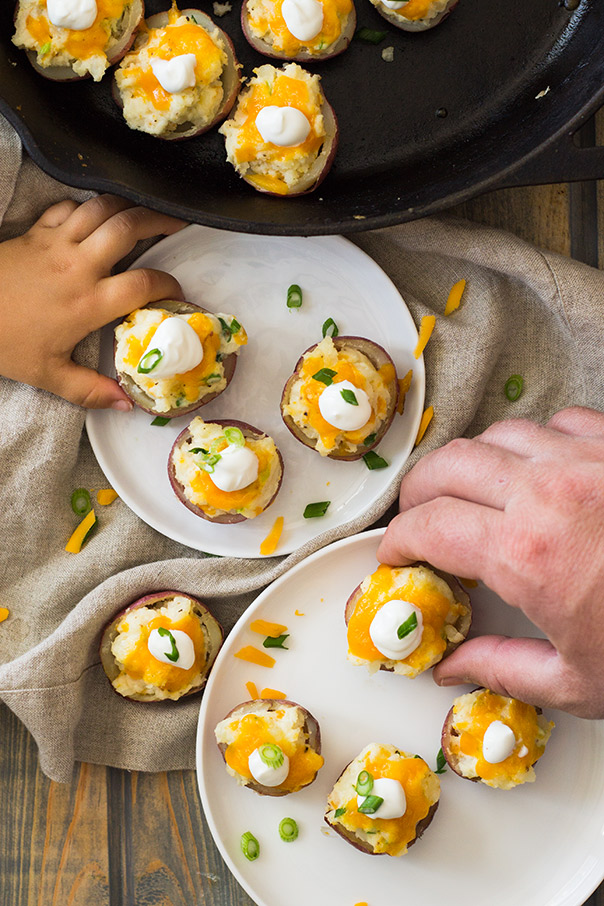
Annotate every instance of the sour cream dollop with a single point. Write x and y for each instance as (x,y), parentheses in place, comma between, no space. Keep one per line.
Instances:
(304,18)
(160,646)
(383,629)
(74,14)
(180,347)
(393,794)
(498,742)
(394,4)
(283,126)
(176,74)
(338,412)
(266,774)
(236,469)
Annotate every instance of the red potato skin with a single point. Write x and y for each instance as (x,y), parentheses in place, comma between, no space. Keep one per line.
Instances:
(138,396)
(374,353)
(110,632)
(270,704)
(226,518)
(267,50)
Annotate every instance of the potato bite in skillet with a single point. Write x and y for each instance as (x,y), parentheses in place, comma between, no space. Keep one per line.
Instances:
(302,30)
(271,746)
(383,800)
(341,398)
(494,739)
(181,77)
(282,134)
(173,357)
(414,15)
(160,647)
(225,471)
(72,39)
(406,619)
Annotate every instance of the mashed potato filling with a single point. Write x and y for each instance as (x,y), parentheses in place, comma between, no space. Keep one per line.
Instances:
(141,673)
(472,715)
(350,365)
(283,727)
(147,106)
(201,490)
(267,23)
(421,587)
(84,51)
(384,835)
(271,167)
(134,337)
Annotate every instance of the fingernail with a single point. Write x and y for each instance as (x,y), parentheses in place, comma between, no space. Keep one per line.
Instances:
(451,681)
(122,405)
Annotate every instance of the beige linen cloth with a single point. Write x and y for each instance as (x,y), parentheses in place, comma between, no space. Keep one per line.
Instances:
(524,311)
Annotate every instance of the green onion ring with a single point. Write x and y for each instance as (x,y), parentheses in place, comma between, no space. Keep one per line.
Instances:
(288,830)
(80,502)
(271,754)
(250,846)
(149,361)
(234,436)
(364,783)
(514,387)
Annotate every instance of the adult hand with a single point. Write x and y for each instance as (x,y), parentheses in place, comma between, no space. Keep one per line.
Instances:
(57,287)
(520,507)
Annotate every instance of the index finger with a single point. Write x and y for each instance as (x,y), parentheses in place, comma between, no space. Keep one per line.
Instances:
(118,235)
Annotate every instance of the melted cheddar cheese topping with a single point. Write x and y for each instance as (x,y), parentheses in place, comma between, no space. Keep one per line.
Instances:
(472,715)
(267,23)
(416,10)
(421,587)
(385,835)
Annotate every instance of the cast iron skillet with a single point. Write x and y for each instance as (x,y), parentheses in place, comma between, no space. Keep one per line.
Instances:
(489,98)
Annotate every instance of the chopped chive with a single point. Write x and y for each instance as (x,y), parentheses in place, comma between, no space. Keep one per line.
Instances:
(349,396)
(339,812)
(328,325)
(364,783)
(45,49)
(325,375)
(234,436)
(288,830)
(160,420)
(370,35)
(408,626)
(514,387)
(370,439)
(149,361)
(373,461)
(276,641)
(271,755)
(370,805)
(80,502)
(250,846)
(312,510)
(294,296)
(212,378)
(441,763)
(174,654)
(194,19)
(198,450)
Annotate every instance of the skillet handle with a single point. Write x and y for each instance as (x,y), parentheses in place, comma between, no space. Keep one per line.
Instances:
(565,160)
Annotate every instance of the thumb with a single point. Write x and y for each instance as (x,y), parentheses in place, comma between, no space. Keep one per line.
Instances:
(88,388)
(527,669)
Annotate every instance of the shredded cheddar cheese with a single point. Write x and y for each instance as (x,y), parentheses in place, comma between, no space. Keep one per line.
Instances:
(269,545)
(255,656)
(423,425)
(425,332)
(4,614)
(455,295)
(106,496)
(252,689)
(266,628)
(74,545)
(272,693)
(298,613)
(403,388)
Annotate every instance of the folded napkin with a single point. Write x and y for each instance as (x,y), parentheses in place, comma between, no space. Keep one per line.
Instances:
(523,312)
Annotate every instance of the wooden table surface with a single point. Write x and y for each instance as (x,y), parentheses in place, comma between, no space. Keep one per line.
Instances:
(114,838)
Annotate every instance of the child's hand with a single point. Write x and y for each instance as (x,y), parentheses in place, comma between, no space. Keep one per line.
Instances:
(56,288)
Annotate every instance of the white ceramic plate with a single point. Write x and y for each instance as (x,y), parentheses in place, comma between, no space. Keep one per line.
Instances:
(248,276)
(540,844)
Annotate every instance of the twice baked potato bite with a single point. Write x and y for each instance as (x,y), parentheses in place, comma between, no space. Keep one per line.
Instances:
(406,619)
(383,800)
(173,357)
(282,134)
(180,79)
(341,398)
(271,746)
(160,647)
(71,39)
(225,471)
(494,739)
(302,30)
(414,15)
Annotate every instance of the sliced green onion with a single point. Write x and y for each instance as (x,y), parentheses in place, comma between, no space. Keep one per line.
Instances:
(149,361)
(325,375)
(250,846)
(288,830)
(349,396)
(370,805)
(370,439)
(514,387)
(45,49)
(80,502)
(328,325)
(216,445)
(207,463)
(198,450)
(271,754)
(212,378)
(339,812)
(294,296)
(441,763)
(370,35)
(229,329)
(312,510)
(160,420)
(276,641)
(408,626)
(364,783)
(373,461)
(174,654)
(234,436)
(194,19)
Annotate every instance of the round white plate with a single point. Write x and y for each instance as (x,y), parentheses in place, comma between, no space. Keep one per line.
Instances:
(248,276)
(540,844)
